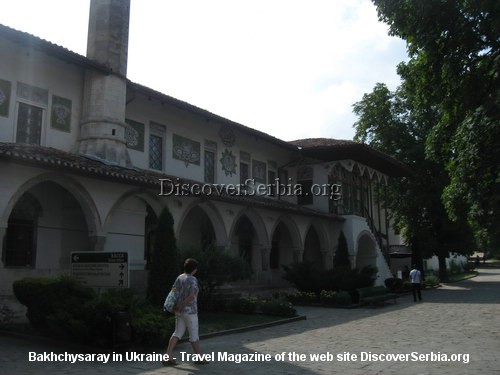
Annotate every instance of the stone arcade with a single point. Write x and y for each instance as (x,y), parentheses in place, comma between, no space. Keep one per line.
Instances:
(83,150)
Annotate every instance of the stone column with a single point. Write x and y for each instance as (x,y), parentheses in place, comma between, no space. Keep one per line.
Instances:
(97,241)
(265,254)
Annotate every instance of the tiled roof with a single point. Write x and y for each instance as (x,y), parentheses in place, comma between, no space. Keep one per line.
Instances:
(329,149)
(54,159)
(51,49)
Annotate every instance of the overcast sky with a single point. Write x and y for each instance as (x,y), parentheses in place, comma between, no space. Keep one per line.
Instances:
(292,69)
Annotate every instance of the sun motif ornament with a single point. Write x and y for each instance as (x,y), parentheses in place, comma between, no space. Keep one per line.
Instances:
(227,136)
(228,162)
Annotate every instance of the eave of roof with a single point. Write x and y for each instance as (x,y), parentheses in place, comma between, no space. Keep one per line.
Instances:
(51,49)
(58,160)
(208,115)
(328,149)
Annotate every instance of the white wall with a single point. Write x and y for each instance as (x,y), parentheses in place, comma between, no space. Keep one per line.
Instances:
(36,69)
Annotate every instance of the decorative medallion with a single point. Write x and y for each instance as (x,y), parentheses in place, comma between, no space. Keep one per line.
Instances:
(186,150)
(134,135)
(227,136)
(61,113)
(228,162)
(4,97)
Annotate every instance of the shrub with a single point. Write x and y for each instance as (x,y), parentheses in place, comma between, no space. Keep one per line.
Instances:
(46,296)
(307,276)
(279,307)
(394,284)
(150,327)
(215,267)
(63,308)
(431,281)
(6,314)
(245,305)
(469,267)
(341,298)
(311,277)
(302,297)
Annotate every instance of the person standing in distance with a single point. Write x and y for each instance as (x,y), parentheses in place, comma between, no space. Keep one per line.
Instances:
(186,311)
(416,282)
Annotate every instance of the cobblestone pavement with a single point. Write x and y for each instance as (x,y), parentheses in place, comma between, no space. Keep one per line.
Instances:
(461,318)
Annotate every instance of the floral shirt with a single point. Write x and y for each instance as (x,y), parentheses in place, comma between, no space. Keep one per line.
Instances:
(187,284)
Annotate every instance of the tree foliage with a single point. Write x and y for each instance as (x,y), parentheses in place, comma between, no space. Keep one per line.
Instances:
(341,258)
(389,122)
(163,269)
(454,70)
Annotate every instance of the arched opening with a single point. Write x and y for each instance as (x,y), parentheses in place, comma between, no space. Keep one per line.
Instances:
(367,251)
(312,247)
(20,240)
(197,230)
(282,248)
(245,235)
(45,225)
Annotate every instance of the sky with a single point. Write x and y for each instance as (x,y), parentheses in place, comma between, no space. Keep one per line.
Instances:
(289,68)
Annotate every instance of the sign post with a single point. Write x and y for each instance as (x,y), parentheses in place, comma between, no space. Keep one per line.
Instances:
(99,269)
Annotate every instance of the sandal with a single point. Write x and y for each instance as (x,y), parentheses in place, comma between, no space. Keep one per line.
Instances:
(202,362)
(170,362)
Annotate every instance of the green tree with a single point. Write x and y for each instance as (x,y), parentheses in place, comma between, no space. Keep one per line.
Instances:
(454,47)
(215,268)
(389,122)
(341,258)
(163,269)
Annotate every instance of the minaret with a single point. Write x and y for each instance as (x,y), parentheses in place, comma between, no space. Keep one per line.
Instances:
(102,126)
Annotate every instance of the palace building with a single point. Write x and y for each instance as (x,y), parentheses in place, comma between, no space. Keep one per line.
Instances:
(88,159)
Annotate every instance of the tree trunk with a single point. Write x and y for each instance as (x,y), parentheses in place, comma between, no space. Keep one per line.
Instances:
(443,274)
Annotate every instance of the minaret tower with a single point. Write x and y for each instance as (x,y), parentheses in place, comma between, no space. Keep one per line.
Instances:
(102,126)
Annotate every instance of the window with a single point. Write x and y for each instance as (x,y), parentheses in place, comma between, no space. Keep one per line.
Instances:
(156,146)
(210,162)
(244,167)
(29,124)
(305,180)
(305,197)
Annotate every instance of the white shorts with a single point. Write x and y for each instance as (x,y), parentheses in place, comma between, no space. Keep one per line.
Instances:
(189,321)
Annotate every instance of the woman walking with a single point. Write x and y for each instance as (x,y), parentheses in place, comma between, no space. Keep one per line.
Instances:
(186,311)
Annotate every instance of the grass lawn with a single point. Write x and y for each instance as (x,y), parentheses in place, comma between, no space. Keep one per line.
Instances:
(216,322)
(461,276)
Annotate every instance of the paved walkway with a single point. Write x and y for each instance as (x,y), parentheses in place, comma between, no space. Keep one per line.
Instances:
(457,319)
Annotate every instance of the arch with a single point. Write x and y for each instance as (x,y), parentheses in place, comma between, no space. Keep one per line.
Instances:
(312,247)
(213,215)
(366,250)
(285,241)
(49,220)
(146,196)
(87,204)
(291,226)
(320,231)
(257,222)
(249,239)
